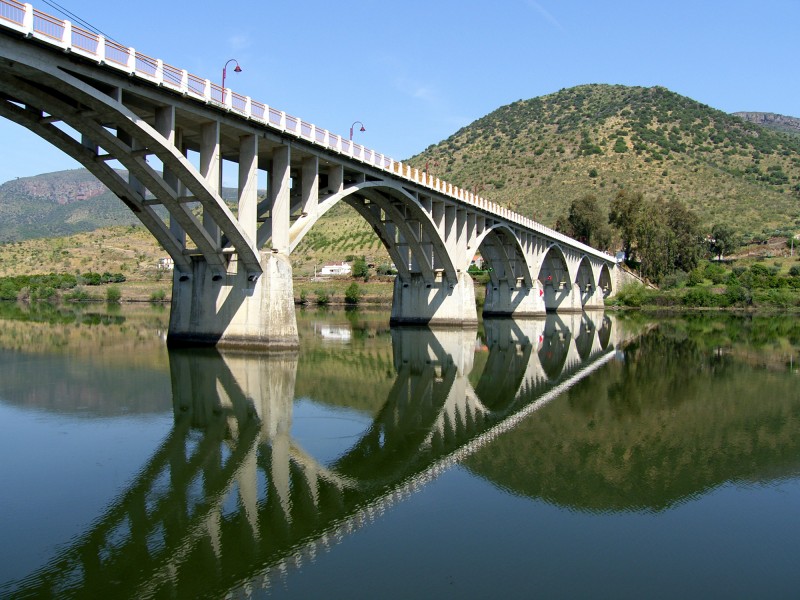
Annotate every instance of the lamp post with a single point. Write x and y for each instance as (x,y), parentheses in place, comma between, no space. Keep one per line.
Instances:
(237,69)
(353,125)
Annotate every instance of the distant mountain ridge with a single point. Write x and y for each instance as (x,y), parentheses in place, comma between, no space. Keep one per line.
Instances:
(62,203)
(772,121)
(62,187)
(58,204)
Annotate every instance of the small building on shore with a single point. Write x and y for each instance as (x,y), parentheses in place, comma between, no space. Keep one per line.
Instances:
(336,269)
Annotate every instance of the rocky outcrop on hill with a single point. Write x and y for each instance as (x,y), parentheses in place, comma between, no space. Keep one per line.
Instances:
(772,120)
(56,204)
(59,188)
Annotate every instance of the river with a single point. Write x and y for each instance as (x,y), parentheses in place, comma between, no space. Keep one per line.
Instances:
(578,456)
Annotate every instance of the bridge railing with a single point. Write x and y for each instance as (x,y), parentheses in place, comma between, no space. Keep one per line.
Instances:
(63,34)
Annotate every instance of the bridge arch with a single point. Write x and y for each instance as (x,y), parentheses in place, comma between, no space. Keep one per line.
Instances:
(585,281)
(404,227)
(501,248)
(111,131)
(605,281)
(552,269)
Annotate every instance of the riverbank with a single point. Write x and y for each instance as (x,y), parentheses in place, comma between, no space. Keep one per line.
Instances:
(770,283)
(760,286)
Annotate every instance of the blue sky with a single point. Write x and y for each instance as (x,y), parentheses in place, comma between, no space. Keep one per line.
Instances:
(415,71)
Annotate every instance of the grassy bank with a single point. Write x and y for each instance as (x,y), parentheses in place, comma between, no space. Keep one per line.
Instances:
(752,283)
(749,284)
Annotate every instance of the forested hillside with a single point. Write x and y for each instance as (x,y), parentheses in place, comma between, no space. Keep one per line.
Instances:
(537,156)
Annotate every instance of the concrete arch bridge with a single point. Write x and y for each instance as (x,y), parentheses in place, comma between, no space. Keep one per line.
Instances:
(105,104)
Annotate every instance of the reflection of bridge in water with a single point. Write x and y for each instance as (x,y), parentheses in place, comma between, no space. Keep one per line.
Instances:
(230,497)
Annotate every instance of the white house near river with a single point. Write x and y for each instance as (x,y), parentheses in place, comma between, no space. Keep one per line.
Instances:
(336,269)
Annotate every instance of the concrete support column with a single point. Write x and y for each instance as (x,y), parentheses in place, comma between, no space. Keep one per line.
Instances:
(520,301)
(165,125)
(248,185)
(592,298)
(280,201)
(417,302)
(211,170)
(235,312)
(135,184)
(561,296)
(309,185)
(461,237)
(335,179)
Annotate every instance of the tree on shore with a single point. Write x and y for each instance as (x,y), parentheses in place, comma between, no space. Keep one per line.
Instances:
(658,236)
(722,240)
(588,222)
(625,214)
(360,267)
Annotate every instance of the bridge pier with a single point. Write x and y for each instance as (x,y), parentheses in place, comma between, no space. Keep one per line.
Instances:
(503,300)
(231,311)
(563,297)
(593,298)
(420,302)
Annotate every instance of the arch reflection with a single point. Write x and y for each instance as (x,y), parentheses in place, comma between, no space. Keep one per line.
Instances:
(230,496)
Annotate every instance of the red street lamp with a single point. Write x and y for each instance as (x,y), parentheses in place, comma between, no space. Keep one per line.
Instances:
(353,125)
(237,69)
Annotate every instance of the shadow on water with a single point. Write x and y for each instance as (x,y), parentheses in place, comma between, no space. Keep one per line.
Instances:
(230,496)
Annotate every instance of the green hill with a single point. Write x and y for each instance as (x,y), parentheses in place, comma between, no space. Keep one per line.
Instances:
(537,156)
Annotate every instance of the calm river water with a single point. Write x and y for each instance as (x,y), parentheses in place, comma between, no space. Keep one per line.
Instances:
(588,456)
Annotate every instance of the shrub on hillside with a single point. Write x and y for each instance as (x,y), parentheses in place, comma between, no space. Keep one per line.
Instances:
(44,292)
(738,295)
(323,297)
(112,277)
(632,294)
(386,269)
(674,280)
(699,297)
(715,272)
(360,267)
(696,277)
(113,294)
(78,295)
(352,294)
(91,278)
(776,297)
(8,291)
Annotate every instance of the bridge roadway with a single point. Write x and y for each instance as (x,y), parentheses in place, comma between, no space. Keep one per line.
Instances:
(230,498)
(106,104)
